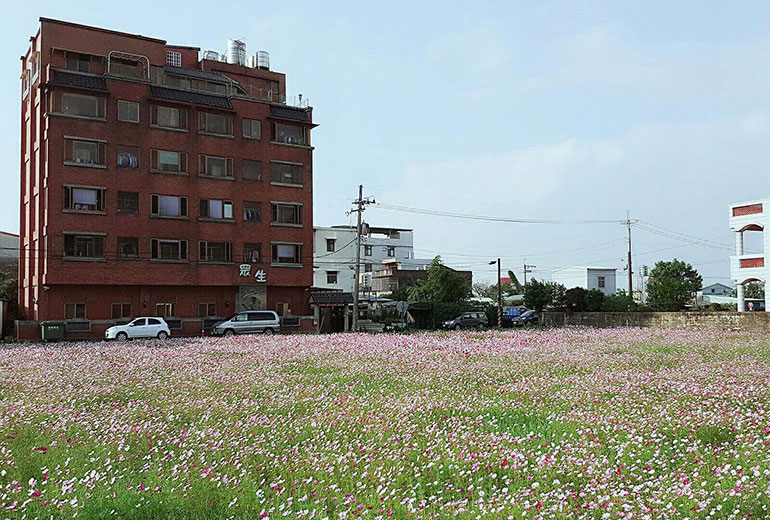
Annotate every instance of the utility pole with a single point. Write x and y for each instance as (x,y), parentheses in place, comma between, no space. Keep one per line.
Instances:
(360,205)
(499,294)
(527,270)
(628,222)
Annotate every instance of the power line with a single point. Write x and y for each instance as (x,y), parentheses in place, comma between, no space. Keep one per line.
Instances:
(422,211)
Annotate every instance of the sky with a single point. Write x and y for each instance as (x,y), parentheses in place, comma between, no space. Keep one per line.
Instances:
(564,111)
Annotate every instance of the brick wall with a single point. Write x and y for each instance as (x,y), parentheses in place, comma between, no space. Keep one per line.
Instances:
(743,321)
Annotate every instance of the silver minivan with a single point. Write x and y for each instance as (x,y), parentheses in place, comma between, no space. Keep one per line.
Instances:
(248,322)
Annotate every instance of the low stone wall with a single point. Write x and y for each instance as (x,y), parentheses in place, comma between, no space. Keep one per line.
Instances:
(743,321)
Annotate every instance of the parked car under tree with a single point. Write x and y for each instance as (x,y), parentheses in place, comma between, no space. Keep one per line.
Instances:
(528,318)
(467,320)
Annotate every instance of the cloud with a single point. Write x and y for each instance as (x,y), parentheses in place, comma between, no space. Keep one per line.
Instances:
(658,171)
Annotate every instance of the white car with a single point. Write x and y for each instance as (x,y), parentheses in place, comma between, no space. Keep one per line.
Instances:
(147,327)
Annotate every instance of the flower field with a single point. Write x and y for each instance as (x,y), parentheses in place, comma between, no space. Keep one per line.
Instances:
(569,423)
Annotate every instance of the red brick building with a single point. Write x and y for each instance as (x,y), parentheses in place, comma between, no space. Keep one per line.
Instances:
(157,183)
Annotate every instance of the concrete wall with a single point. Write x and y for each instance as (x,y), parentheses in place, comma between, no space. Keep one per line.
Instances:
(744,321)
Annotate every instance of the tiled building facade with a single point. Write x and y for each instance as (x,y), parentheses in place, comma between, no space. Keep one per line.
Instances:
(155,183)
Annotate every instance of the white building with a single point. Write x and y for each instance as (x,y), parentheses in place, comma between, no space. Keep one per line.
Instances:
(601,278)
(752,216)
(9,248)
(334,254)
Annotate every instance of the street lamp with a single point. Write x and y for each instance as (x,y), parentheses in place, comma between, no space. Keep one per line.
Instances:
(499,294)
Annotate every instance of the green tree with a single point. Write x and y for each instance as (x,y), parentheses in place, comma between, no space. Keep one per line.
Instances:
(618,302)
(575,299)
(672,285)
(594,300)
(754,290)
(441,285)
(400,294)
(539,295)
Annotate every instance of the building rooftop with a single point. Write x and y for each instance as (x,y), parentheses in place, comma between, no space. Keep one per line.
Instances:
(593,267)
(107,31)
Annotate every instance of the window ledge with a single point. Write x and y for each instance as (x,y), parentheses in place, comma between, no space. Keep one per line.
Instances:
(252,221)
(224,136)
(217,220)
(212,262)
(252,138)
(124,212)
(168,261)
(285,224)
(128,259)
(83,259)
(127,168)
(85,165)
(128,121)
(70,116)
(163,172)
(277,264)
(170,129)
(306,147)
(215,177)
(287,184)
(84,212)
(169,217)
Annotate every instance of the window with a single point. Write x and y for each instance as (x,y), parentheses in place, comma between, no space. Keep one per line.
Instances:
(285,173)
(121,311)
(168,249)
(207,309)
(78,62)
(128,111)
(252,253)
(367,250)
(82,152)
(216,209)
(601,282)
(162,310)
(330,245)
(252,170)
(391,251)
(74,311)
(331,277)
(83,246)
(174,58)
(79,105)
(286,253)
(128,202)
(252,212)
(83,199)
(286,213)
(169,117)
(128,248)
(367,268)
(168,162)
(169,206)
(214,166)
(126,68)
(216,251)
(252,128)
(128,157)
(217,124)
(290,134)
